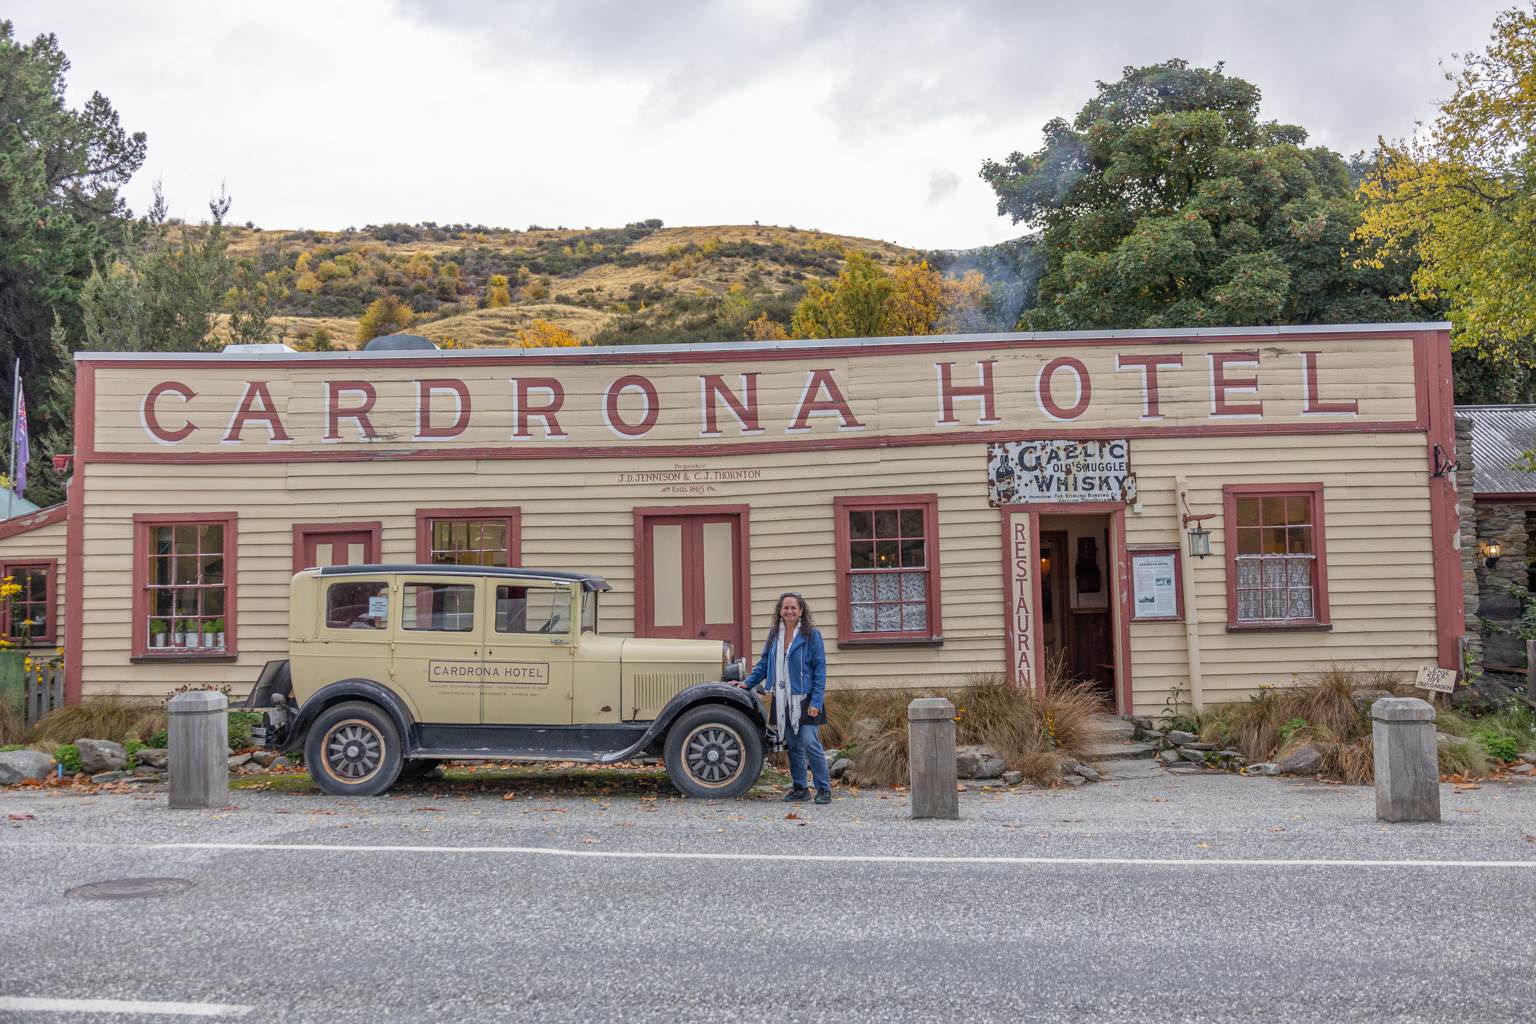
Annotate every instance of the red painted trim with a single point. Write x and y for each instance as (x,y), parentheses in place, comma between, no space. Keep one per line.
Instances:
(49,637)
(556,450)
(139,626)
(643,517)
(511,513)
(1054,508)
(1122,585)
(1504,497)
(756,354)
(1178,582)
(1444,513)
(303,531)
(1313,490)
(34,520)
(74,543)
(929,503)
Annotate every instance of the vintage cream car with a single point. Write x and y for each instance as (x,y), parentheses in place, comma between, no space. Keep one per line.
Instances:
(393,669)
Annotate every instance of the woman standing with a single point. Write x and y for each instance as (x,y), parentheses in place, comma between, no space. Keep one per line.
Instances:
(794,663)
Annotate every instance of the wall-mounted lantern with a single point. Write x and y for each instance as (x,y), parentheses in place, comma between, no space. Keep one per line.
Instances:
(1199,536)
(1489,551)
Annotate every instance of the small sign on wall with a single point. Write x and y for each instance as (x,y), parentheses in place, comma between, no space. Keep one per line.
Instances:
(1157,593)
(1440,680)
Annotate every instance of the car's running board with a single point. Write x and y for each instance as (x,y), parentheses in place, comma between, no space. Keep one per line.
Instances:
(481,754)
(586,743)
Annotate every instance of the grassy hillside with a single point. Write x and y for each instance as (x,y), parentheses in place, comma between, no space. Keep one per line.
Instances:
(640,284)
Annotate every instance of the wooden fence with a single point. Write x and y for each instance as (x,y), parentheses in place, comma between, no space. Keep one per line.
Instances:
(42,691)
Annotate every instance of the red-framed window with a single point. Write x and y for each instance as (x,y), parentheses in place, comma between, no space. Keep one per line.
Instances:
(888,568)
(468,536)
(184,584)
(29,618)
(1277,563)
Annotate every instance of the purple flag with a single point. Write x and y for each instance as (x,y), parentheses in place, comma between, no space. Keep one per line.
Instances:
(19,440)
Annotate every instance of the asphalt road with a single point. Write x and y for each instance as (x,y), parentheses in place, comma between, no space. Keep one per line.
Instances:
(1150,898)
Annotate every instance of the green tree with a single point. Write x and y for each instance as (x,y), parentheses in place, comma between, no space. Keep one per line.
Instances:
(60,214)
(1460,200)
(850,307)
(1167,202)
(165,291)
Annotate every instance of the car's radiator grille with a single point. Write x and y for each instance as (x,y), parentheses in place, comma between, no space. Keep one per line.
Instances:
(654,689)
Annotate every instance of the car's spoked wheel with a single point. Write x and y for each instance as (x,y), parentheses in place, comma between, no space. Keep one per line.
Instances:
(713,754)
(354,750)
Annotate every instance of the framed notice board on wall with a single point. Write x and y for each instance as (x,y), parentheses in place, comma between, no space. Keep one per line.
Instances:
(1157,592)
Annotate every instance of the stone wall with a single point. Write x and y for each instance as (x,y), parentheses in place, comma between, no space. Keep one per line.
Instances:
(1508,526)
(1472,662)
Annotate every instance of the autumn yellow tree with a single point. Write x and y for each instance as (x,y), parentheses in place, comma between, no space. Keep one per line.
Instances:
(544,334)
(1460,197)
(497,294)
(914,299)
(385,315)
(762,328)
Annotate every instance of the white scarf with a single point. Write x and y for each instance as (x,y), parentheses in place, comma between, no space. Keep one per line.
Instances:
(781,694)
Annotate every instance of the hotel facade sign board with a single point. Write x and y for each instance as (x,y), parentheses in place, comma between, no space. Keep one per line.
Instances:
(1028,472)
(535,403)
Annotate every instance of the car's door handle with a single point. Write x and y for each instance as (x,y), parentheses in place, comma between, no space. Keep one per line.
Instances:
(703,631)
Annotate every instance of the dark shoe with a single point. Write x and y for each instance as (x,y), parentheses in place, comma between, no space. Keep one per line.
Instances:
(796,795)
(823,796)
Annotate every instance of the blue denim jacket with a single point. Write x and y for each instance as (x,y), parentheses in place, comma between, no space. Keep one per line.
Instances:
(807,663)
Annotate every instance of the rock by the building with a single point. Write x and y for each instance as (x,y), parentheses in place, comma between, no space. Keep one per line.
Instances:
(1198,746)
(114,776)
(153,757)
(840,767)
(1086,773)
(1169,757)
(978,762)
(239,760)
(21,765)
(144,771)
(1073,780)
(283,762)
(1179,738)
(1366,696)
(97,756)
(1013,778)
(1192,755)
(1304,760)
(1262,768)
(1523,769)
(264,757)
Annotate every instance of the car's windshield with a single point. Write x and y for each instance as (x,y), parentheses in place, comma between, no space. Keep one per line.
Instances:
(588,611)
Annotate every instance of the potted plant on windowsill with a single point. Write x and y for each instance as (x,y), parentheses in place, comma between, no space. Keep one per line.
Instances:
(218,633)
(157,632)
(208,630)
(179,635)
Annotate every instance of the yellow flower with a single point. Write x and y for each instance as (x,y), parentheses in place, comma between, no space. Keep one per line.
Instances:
(27,622)
(26,663)
(61,652)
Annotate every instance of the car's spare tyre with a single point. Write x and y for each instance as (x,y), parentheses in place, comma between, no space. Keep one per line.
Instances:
(713,751)
(353,749)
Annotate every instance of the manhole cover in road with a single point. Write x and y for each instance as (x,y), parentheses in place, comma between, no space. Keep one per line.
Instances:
(129,888)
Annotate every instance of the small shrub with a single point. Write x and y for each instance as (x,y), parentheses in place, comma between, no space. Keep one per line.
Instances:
(1288,730)
(158,739)
(12,746)
(240,725)
(1453,723)
(1464,757)
(1499,746)
(68,757)
(132,748)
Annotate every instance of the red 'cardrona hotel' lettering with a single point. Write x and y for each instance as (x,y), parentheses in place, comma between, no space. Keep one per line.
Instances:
(966,394)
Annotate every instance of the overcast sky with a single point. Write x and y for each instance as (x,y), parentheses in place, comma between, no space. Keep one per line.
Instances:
(856,117)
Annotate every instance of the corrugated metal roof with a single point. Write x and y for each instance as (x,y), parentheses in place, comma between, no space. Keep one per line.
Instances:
(1501,435)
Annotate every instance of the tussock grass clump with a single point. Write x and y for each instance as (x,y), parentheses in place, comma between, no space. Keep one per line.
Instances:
(1321,709)
(102,718)
(1031,734)
(12,728)
(1464,757)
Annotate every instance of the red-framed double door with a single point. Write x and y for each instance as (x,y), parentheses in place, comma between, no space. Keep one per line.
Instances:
(691,574)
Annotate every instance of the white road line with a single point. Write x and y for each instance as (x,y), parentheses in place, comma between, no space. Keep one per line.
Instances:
(121,1006)
(828,858)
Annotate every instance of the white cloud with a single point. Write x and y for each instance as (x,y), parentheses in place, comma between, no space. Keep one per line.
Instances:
(859,117)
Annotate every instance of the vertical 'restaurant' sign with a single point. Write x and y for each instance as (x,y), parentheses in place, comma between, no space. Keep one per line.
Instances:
(1019,542)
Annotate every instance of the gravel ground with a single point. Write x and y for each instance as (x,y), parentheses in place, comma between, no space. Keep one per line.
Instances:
(1152,896)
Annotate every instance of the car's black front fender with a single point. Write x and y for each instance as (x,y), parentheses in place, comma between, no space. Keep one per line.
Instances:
(704,693)
(351,689)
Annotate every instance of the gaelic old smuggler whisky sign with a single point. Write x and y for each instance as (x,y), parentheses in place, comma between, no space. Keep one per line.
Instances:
(1023,472)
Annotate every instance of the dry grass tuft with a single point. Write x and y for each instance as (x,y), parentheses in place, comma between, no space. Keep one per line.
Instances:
(13,729)
(1032,735)
(102,718)
(1353,762)
(1464,757)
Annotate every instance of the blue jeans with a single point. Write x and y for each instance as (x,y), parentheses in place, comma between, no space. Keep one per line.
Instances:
(807,744)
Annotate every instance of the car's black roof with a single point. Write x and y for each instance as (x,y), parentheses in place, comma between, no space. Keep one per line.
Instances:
(586,579)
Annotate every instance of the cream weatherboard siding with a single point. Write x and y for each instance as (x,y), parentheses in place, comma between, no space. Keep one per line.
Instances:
(44,543)
(1352,409)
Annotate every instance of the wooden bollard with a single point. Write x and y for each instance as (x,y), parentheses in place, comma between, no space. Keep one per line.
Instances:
(931,758)
(198,761)
(1407,760)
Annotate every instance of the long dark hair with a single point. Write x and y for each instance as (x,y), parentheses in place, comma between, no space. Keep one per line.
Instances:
(805,613)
